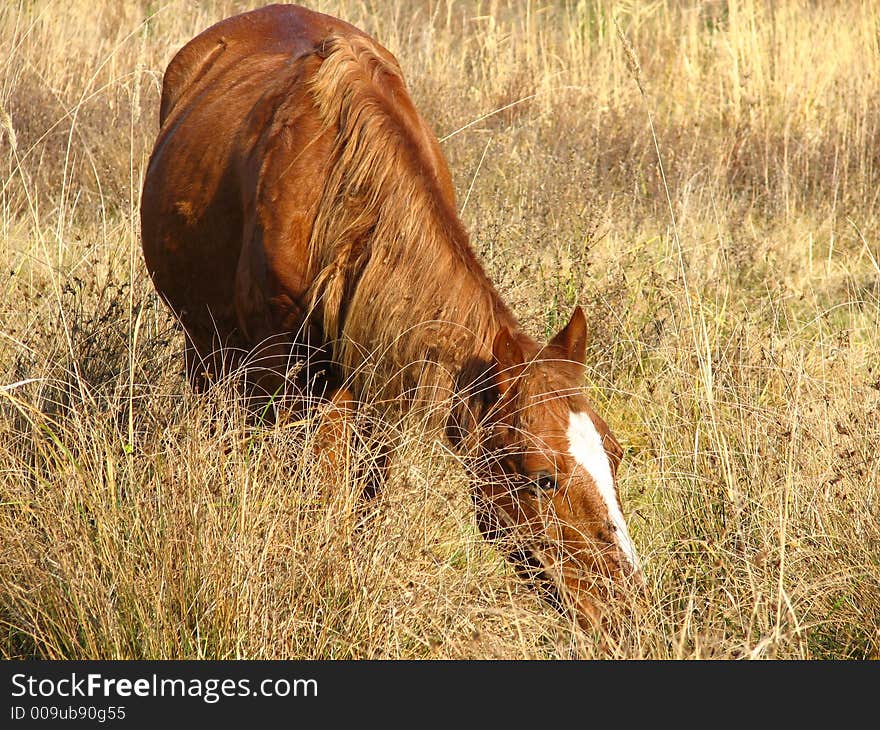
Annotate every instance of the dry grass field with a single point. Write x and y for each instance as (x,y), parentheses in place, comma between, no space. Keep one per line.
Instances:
(703,177)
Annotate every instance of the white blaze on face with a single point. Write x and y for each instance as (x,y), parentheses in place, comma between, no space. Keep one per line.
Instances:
(587,449)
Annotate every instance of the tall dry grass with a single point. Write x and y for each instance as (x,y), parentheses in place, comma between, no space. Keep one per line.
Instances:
(733,295)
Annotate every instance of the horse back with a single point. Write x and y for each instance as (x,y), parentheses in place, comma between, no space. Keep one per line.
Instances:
(289,31)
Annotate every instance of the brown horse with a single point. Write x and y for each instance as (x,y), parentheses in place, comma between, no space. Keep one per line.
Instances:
(297,210)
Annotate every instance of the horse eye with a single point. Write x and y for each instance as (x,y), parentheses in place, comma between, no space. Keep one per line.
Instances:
(545,481)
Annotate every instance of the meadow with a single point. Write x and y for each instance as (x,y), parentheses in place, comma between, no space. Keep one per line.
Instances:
(703,178)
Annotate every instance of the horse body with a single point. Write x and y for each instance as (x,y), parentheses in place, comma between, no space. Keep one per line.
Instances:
(298,208)
(256,240)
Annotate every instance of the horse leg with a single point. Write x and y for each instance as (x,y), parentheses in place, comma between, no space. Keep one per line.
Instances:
(346,443)
(195,366)
(334,438)
(206,359)
(271,393)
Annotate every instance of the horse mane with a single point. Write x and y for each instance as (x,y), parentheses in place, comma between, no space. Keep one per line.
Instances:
(394,274)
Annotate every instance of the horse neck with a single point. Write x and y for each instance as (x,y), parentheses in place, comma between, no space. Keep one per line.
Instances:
(394,277)
(469,300)
(423,298)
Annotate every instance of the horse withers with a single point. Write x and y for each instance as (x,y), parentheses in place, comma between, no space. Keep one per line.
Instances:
(298,209)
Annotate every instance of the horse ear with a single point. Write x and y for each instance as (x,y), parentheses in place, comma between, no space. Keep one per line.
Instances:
(507,354)
(573,337)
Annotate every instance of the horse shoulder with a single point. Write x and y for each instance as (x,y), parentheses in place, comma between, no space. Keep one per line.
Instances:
(282,179)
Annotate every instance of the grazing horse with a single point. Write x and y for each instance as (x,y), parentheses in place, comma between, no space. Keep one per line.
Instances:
(297,209)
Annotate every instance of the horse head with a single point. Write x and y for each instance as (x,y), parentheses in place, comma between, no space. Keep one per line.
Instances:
(544,469)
